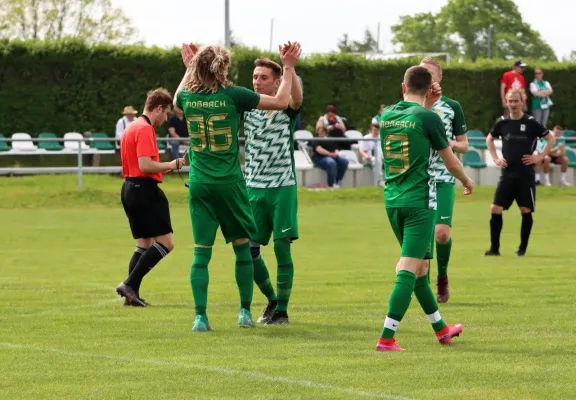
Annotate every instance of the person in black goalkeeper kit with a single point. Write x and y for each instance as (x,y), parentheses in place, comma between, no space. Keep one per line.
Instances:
(519,133)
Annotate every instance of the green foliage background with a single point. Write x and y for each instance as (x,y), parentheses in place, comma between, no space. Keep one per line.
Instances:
(68,86)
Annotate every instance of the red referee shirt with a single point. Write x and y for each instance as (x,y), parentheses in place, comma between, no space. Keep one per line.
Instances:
(139,140)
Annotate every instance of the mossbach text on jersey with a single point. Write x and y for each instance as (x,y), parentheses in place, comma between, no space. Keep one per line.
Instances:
(206,104)
(401,124)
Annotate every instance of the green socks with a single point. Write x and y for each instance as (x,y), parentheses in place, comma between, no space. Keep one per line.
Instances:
(199,278)
(427,301)
(262,279)
(399,302)
(443,254)
(244,272)
(285,273)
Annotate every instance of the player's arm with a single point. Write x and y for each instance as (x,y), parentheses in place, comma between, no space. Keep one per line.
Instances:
(296,94)
(438,140)
(146,148)
(280,101)
(501,162)
(460,145)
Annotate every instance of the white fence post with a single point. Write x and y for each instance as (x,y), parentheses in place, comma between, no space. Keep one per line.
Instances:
(79,165)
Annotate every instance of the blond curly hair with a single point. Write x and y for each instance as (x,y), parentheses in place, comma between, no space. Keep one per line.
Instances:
(209,70)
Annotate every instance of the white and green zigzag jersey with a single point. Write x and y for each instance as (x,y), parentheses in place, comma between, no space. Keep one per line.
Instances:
(270,148)
(452,116)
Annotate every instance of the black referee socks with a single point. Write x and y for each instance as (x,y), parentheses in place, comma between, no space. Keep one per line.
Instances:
(495,230)
(525,230)
(147,261)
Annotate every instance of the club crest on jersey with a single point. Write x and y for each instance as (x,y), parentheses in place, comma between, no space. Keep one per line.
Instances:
(440,112)
(522,127)
(270,113)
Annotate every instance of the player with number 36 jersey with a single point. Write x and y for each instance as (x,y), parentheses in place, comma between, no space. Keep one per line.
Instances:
(218,195)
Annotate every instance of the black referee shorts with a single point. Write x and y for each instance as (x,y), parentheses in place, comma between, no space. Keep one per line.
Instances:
(146,207)
(521,188)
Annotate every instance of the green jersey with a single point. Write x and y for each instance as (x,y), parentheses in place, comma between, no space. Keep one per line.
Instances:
(559,140)
(409,135)
(213,124)
(452,116)
(270,148)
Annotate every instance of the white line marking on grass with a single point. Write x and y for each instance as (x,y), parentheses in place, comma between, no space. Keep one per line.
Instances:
(218,370)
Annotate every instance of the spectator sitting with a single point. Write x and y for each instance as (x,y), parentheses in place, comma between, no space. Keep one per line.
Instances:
(557,156)
(177,128)
(334,126)
(371,151)
(129,116)
(325,156)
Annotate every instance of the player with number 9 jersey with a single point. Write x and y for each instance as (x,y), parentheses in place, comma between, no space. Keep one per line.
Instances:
(409,134)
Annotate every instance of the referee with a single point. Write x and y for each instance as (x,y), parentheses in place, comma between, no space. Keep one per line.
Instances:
(519,133)
(144,202)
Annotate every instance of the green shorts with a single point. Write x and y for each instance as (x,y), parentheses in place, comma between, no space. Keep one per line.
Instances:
(224,205)
(275,211)
(445,193)
(414,229)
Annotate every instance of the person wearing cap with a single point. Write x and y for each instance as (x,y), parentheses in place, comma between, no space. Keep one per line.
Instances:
(513,79)
(371,150)
(129,115)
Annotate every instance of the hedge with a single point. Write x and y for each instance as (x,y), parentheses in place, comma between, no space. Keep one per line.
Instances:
(69,86)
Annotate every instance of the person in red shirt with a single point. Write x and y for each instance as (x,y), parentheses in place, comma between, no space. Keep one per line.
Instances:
(145,204)
(513,79)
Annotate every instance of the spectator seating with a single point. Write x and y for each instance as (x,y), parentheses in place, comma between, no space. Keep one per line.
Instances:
(355,135)
(353,164)
(302,163)
(71,143)
(101,145)
(473,159)
(478,139)
(49,145)
(571,136)
(23,142)
(571,154)
(4,146)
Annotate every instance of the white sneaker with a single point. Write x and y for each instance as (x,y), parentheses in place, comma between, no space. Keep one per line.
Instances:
(335,186)
(565,184)
(547,184)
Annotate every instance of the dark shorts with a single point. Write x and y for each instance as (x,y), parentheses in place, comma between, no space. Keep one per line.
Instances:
(555,160)
(516,187)
(146,207)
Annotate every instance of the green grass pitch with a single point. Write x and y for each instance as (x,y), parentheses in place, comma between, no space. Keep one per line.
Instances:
(64,333)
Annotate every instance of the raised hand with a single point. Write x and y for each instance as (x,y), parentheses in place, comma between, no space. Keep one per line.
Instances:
(290,54)
(188,51)
(433,95)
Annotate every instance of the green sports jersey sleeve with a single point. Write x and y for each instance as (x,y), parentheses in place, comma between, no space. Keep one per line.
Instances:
(179,99)
(434,128)
(244,99)
(458,123)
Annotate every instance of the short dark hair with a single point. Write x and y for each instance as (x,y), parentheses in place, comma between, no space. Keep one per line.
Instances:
(268,63)
(158,97)
(417,80)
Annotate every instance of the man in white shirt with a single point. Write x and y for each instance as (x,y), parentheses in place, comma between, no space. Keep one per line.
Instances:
(129,116)
(371,151)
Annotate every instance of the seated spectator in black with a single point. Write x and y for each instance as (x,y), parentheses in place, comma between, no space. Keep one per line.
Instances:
(325,156)
(334,126)
(177,128)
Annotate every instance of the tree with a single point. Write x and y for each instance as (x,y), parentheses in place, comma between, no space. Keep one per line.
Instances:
(462,29)
(368,45)
(94,21)
(571,56)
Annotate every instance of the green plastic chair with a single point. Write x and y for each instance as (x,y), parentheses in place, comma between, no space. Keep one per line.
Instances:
(473,159)
(49,146)
(479,140)
(101,145)
(4,146)
(571,136)
(571,154)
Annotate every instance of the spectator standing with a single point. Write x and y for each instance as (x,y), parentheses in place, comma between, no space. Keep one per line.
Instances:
(129,115)
(513,79)
(541,103)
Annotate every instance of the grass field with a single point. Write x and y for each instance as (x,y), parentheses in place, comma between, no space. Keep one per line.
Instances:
(64,334)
